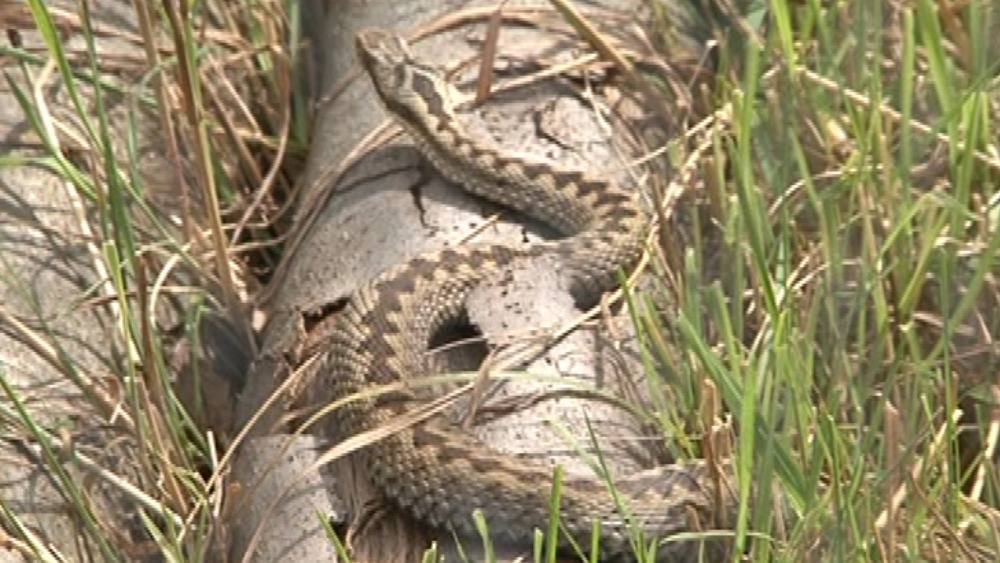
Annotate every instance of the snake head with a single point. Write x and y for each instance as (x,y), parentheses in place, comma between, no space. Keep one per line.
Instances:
(407,88)
(385,56)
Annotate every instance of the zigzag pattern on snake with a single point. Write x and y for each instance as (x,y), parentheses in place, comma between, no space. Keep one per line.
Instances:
(434,470)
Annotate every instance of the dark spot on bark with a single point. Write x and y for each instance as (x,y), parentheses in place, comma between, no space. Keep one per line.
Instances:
(315,315)
(464,342)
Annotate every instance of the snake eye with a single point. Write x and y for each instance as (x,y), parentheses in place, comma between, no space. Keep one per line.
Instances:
(399,75)
(401,45)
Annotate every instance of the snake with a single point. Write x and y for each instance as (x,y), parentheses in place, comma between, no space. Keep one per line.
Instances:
(435,471)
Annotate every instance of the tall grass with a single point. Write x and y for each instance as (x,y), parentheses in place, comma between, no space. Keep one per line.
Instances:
(833,331)
(147,269)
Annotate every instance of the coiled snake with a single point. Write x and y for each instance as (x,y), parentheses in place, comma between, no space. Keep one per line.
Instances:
(433,470)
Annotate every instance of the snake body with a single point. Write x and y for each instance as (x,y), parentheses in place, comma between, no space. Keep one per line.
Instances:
(433,470)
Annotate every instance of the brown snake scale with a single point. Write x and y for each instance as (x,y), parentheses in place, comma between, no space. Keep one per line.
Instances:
(433,470)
